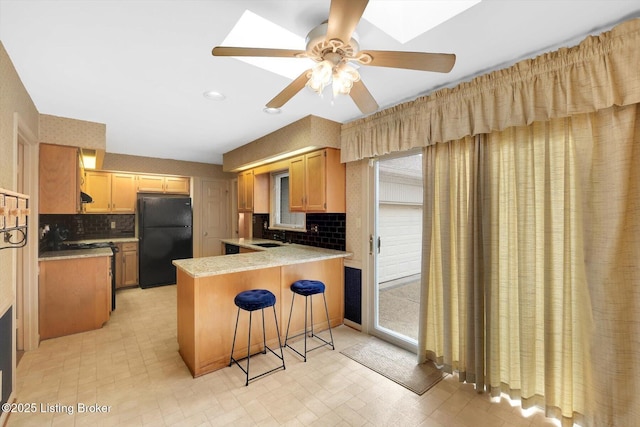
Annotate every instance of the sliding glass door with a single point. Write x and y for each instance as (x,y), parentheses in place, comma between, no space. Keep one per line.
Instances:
(396,245)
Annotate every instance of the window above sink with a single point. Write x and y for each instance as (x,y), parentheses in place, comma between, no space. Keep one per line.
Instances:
(280,216)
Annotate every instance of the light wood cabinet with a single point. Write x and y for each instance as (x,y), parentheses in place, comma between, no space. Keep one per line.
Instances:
(317,182)
(164,184)
(297,191)
(59,180)
(74,295)
(127,265)
(111,192)
(176,185)
(123,193)
(245,191)
(261,193)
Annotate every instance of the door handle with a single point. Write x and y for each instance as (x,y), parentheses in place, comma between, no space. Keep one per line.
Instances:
(379,242)
(206,234)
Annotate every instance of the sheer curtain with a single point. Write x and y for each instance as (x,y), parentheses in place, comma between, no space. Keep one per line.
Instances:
(532,268)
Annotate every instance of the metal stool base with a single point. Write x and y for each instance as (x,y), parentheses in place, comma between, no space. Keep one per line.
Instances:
(266,347)
(309,332)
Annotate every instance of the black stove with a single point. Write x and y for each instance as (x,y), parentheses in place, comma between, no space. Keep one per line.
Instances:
(76,246)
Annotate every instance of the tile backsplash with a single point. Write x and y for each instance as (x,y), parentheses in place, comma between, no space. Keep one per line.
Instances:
(94,226)
(330,234)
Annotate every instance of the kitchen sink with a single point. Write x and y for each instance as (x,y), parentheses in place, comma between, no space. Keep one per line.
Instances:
(268,245)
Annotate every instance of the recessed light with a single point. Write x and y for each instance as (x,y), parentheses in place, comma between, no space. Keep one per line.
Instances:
(214,95)
(270,110)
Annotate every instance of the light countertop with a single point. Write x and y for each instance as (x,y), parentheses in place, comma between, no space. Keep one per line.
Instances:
(287,254)
(75,253)
(114,240)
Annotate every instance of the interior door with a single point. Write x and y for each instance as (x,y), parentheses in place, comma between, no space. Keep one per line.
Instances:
(215,216)
(396,247)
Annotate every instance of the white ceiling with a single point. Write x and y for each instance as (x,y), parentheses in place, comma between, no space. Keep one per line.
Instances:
(141,66)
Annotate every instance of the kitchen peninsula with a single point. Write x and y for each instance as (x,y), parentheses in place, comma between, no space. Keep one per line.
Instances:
(207,287)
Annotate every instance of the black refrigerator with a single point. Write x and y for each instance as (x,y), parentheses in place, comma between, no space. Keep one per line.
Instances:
(165,232)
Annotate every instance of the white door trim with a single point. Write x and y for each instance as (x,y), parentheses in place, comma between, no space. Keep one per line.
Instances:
(30,258)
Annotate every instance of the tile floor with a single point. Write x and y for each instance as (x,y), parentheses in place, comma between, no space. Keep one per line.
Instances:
(132,366)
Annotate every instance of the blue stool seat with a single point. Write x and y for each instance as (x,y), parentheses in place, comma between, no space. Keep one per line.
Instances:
(308,288)
(250,301)
(255,299)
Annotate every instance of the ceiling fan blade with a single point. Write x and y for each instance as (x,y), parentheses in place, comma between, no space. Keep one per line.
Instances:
(363,98)
(344,16)
(256,51)
(439,62)
(288,92)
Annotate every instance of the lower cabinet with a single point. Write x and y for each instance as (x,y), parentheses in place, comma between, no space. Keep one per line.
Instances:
(74,295)
(127,265)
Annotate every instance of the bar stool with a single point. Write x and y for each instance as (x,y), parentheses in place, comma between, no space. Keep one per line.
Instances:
(252,300)
(308,288)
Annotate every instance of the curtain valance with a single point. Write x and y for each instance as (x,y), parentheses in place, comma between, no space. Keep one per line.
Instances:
(600,72)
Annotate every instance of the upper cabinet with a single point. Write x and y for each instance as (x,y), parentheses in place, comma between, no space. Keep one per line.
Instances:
(164,184)
(111,192)
(59,180)
(317,182)
(245,191)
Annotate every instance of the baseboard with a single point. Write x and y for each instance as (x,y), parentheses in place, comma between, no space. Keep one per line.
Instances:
(354,325)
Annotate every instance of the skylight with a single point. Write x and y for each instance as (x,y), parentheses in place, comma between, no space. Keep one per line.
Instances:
(402,20)
(252,30)
(407,19)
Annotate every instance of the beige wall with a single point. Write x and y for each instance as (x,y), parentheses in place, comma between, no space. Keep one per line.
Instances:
(307,132)
(13,99)
(356,186)
(77,133)
(127,163)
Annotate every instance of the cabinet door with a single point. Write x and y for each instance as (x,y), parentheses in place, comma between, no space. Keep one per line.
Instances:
(119,266)
(150,184)
(248,188)
(98,186)
(59,188)
(245,191)
(296,184)
(129,268)
(123,193)
(315,182)
(177,184)
(242,200)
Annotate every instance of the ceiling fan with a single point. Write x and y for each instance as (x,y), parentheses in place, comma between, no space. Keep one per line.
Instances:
(332,46)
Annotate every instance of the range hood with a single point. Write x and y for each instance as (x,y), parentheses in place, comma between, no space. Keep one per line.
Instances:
(85,198)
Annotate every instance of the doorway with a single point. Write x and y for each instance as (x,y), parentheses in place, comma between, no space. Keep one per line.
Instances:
(396,241)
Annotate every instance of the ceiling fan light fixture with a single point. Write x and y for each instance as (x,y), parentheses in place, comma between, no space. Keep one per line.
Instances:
(320,76)
(344,76)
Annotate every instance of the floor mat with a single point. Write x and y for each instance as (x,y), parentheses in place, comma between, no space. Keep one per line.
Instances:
(396,364)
